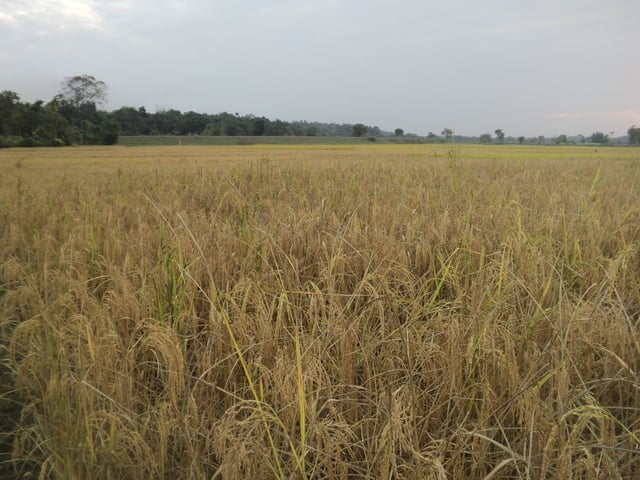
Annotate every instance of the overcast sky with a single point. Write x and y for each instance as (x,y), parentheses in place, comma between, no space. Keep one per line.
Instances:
(543,67)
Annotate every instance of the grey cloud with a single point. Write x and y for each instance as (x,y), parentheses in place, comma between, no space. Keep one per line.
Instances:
(411,64)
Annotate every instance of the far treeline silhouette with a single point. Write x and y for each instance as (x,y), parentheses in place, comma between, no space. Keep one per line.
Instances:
(74,117)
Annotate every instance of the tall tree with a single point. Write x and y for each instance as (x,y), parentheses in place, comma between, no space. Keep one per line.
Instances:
(55,127)
(83,89)
(499,135)
(9,108)
(447,133)
(399,132)
(359,129)
(599,137)
(485,138)
(634,135)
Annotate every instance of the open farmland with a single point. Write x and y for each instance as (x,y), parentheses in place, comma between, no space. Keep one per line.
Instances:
(320,312)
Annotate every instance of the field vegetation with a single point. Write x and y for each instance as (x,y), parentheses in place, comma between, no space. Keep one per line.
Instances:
(319,312)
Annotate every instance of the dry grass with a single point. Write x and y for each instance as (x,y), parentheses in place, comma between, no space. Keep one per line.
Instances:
(389,312)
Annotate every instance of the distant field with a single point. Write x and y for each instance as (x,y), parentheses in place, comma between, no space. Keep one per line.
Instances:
(164,140)
(116,156)
(320,311)
(172,140)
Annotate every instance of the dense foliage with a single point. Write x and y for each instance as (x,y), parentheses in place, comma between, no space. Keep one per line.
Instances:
(59,122)
(65,121)
(137,121)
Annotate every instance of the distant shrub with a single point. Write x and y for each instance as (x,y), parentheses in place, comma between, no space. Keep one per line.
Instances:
(6,142)
(110,138)
(28,142)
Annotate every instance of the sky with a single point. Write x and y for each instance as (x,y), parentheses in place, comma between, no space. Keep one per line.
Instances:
(543,67)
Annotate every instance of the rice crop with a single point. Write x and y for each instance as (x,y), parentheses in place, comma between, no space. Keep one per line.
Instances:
(343,312)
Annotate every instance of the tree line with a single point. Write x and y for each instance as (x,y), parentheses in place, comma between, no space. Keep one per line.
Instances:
(595,138)
(74,116)
(137,121)
(71,117)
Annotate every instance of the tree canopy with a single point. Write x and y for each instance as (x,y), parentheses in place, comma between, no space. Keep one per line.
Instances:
(485,138)
(83,89)
(599,137)
(359,129)
(71,117)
